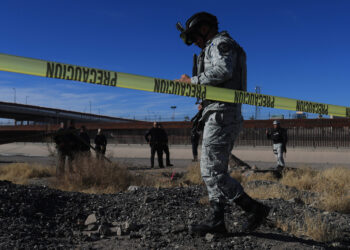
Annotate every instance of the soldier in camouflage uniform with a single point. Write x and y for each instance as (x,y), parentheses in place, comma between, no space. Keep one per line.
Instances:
(221,63)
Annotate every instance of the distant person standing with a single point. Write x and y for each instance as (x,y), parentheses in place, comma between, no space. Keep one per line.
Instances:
(155,143)
(66,145)
(100,144)
(279,137)
(195,136)
(61,144)
(84,142)
(74,142)
(164,142)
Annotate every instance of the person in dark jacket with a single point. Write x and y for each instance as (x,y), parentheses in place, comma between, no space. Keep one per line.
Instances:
(195,136)
(279,137)
(84,142)
(100,144)
(67,146)
(155,143)
(164,142)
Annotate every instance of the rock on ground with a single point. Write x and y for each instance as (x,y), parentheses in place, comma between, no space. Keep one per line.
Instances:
(36,217)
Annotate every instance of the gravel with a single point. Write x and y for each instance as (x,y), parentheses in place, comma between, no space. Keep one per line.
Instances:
(37,217)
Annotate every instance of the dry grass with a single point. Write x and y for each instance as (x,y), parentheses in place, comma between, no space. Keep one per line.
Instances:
(93,176)
(333,184)
(20,173)
(270,191)
(318,230)
(193,174)
(311,226)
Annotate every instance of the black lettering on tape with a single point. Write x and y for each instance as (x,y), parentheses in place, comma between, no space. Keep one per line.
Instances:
(93,74)
(193,90)
(99,76)
(264,103)
(85,74)
(58,68)
(183,87)
(171,87)
(177,88)
(199,90)
(167,87)
(163,86)
(114,80)
(106,77)
(272,103)
(188,90)
(204,93)
(70,71)
(156,85)
(50,68)
(77,71)
(254,99)
(311,107)
(64,72)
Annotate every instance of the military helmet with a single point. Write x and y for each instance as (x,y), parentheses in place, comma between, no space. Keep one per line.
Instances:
(193,23)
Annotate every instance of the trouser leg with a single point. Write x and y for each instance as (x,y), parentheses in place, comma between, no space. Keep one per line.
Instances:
(98,152)
(160,156)
(70,161)
(167,155)
(220,131)
(61,159)
(214,169)
(153,151)
(277,149)
(103,153)
(195,150)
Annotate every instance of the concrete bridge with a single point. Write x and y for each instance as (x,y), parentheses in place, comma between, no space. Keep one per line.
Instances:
(24,114)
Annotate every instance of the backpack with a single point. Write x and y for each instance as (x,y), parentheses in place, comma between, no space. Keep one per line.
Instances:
(241,64)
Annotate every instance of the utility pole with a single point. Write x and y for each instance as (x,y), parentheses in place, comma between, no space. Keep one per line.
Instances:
(257,108)
(26,98)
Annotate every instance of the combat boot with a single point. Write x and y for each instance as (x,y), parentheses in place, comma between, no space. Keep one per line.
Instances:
(257,212)
(216,222)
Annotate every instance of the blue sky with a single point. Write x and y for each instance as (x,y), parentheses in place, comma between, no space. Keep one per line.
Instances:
(295,49)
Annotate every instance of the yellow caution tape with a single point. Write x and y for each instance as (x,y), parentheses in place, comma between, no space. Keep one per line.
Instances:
(49,69)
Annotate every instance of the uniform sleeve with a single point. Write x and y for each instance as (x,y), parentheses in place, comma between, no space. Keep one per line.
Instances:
(223,60)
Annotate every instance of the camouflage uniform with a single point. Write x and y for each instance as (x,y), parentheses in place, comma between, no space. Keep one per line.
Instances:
(278,151)
(217,66)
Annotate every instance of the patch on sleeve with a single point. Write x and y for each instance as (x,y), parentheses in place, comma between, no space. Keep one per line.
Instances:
(224,48)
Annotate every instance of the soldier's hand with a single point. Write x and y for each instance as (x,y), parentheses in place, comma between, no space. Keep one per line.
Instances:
(184,78)
(200,107)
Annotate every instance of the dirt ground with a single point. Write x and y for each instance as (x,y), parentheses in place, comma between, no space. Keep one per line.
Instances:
(137,156)
(53,219)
